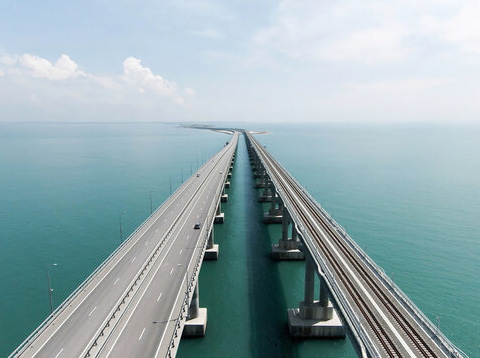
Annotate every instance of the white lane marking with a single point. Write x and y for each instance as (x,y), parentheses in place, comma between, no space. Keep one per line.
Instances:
(188,237)
(181,251)
(58,354)
(159,296)
(92,311)
(147,243)
(156,230)
(141,335)
(134,258)
(116,281)
(173,268)
(113,265)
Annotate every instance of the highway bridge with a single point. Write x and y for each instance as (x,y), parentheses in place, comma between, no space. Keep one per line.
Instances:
(380,318)
(144,295)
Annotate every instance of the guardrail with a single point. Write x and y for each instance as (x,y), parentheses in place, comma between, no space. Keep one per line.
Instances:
(179,322)
(34,335)
(110,257)
(378,270)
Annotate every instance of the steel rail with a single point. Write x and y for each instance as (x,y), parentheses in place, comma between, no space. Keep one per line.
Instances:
(379,290)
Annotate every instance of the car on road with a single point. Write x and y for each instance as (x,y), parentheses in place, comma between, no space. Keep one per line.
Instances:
(197,226)
(198,175)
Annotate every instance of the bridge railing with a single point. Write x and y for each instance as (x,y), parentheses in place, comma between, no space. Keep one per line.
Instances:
(453,350)
(180,320)
(72,296)
(355,325)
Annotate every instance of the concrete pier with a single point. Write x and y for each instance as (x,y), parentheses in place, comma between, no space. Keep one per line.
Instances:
(314,318)
(212,250)
(196,324)
(219,216)
(288,248)
(274,215)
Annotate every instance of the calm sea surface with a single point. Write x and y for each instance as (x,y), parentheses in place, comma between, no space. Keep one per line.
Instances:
(408,194)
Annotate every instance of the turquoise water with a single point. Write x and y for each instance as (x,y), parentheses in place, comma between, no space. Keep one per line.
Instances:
(408,194)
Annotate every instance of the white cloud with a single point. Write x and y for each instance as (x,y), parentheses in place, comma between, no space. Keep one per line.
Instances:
(61,88)
(143,79)
(39,67)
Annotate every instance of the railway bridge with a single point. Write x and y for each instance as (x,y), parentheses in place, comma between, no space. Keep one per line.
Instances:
(356,296)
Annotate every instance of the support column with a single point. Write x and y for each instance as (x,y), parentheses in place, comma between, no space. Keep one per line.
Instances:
(224,197)
(288,248)
(314,318)
(274,215)
(196,324)
(266,195)
(211,253)
(219,216)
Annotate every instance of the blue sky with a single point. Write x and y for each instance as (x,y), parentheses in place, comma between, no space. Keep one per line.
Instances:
(296,61)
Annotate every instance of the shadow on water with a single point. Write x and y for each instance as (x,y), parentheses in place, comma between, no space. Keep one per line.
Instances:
(268,335)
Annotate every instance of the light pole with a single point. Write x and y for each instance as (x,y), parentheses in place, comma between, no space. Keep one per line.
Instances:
(120,224)
(50,289)
(151,208)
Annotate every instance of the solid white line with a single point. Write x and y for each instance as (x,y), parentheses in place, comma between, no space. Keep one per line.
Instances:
(141,335)
(160,296)
(116,281)
(92,311)
(114,262)
(134,258)
(173,268)
(58,354)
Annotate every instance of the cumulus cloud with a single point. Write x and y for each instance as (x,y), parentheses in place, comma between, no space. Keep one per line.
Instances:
(61,89)
(143,79)
(135,75)
(39,67)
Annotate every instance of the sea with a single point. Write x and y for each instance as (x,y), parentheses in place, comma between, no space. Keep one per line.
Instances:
(408,194)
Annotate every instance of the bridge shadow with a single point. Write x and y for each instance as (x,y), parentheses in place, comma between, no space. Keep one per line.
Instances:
(268,332)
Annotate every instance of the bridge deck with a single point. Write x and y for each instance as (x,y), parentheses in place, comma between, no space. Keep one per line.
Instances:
(380,318)
(130,305)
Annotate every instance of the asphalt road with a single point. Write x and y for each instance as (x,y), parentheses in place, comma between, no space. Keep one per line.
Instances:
(125,307)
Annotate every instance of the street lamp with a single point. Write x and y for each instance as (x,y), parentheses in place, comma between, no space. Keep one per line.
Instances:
(50,289)
(120,225)
(151,209)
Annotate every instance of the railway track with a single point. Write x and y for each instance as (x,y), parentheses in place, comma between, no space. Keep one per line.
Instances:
(398,314)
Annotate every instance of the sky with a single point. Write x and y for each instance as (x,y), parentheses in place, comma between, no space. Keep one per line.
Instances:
(240,61)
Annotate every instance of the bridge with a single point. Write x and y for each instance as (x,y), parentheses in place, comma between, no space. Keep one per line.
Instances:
(380,318)
(145,295)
